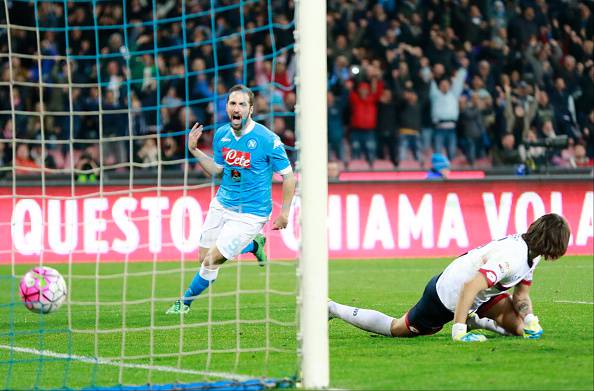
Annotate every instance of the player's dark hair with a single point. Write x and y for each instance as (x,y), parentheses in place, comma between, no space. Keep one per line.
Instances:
(245,90)
(548,236)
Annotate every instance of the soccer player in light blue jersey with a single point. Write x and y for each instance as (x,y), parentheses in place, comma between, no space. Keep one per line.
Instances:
(246,154)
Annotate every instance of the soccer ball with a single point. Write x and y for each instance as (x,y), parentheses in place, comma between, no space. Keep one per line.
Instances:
(43,290)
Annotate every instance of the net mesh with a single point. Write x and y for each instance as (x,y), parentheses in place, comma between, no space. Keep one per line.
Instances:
(96,99)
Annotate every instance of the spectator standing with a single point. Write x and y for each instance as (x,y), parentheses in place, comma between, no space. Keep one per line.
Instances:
(585,102)
(471,127)
(410,125)
(544,111)
(386,127)
(518,112)
(564,107)
(336,107)
(363,107)
(445,111)
(115,124)
(422,86)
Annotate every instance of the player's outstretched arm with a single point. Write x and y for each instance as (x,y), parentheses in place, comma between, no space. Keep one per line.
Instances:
(523,305)
(289,183)
(467,295)
(206,162)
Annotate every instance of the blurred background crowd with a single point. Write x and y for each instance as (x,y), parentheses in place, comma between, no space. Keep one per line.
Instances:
(484,83)
(481,82)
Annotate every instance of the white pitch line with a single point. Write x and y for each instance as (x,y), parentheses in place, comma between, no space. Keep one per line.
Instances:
(573,302)
(103,361)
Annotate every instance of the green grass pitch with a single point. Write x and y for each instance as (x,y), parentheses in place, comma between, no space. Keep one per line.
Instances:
(562,297)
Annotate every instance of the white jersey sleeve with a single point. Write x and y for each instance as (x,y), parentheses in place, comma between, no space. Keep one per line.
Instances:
(504,263)
(497,263)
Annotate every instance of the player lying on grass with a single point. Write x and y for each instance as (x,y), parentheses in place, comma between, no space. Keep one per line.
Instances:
(471,291)
(245,155)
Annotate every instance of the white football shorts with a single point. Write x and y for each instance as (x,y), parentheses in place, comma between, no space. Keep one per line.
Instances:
(230,231)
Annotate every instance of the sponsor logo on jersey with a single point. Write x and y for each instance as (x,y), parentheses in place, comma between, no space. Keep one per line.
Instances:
(225,139)
(235,175)
(237,158)
(252,144)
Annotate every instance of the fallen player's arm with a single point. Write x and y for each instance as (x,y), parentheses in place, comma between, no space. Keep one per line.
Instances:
(467,295)
(523,306)
(521,300)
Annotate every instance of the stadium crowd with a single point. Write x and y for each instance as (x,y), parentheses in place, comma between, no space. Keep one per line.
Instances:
(483,82)
(473,80)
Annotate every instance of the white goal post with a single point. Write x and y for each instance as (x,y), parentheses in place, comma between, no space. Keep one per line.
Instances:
(310,44)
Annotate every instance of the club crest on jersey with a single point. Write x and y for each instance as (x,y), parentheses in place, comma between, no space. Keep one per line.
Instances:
(252,144)
(237,158)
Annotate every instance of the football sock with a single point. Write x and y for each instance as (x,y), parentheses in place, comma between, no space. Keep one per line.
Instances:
(474,322)
(250,248)
(199,283)
(368,320)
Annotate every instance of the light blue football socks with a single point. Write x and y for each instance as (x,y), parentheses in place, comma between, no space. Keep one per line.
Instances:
(200,282)
(205,277)
(250,248)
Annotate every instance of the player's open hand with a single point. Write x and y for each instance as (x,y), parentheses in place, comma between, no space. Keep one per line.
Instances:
(195,134)
(280,222)
(532,329)
(460,334)
(469,337)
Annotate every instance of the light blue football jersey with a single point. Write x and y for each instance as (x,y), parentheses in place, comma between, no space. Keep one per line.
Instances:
(248,164)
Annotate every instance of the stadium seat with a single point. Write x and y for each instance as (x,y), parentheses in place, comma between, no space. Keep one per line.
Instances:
(358,165)
(459,161)
(484,162)
(383,165)
(409,165)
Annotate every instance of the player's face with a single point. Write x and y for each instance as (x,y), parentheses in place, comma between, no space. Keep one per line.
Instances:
(238,109)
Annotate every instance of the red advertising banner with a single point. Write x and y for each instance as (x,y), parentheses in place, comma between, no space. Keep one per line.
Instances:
(371,220)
